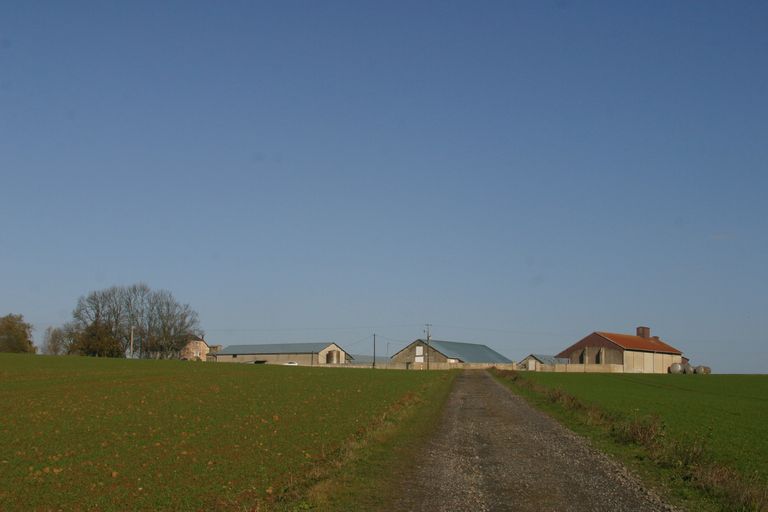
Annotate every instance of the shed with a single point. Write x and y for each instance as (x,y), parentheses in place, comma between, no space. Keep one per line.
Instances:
(532,361)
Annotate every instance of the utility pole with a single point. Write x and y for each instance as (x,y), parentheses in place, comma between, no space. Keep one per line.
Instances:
(374,350)
(131,342)
(429,336)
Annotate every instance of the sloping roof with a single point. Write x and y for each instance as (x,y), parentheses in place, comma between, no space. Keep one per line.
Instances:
(467,352)
(543,359)
(189,342)
(274,348)
(630,342)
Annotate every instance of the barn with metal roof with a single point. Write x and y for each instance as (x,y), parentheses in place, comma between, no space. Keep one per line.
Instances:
(305,354)
(421,353)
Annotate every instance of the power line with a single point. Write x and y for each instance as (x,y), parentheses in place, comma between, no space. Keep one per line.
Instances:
(353,343)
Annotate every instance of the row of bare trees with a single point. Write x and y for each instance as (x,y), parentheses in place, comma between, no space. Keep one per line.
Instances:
(125,321)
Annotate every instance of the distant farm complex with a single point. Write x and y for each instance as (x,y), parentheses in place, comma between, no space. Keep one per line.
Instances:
(597,352)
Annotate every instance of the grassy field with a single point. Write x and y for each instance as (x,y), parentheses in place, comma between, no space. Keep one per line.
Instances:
(729,411)
(101,434)
(694,429)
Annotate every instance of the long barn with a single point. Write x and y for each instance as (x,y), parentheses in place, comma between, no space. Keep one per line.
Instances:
(304,354)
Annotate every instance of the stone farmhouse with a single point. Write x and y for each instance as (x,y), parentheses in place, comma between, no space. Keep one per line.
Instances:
(196,349)
(625,353)
(435,354)
(304,354)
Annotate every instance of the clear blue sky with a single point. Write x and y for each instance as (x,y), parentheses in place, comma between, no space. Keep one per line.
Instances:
(516,173)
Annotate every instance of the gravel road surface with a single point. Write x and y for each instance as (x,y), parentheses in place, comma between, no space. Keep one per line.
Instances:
(492,451)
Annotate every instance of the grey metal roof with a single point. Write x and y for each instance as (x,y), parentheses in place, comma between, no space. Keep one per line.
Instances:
(467,352)
(274,348)
(543,359)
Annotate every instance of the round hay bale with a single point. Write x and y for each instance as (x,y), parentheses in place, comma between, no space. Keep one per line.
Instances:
(687,369)
(676,368)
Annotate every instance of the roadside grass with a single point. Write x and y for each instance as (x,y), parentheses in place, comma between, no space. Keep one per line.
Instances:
(106,434)
(701,440)
(369,478)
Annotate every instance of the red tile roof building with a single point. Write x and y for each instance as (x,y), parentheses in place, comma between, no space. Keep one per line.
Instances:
(640,353)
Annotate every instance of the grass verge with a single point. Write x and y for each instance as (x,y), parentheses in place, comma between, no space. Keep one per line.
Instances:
(364,477)
(681,467)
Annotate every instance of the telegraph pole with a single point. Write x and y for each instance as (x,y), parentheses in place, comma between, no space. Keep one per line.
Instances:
(374,350)
(429,336)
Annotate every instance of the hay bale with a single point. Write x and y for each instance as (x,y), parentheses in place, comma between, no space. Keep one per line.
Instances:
(676,368)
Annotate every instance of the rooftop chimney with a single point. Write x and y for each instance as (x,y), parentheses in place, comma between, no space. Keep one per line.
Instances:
(644,332)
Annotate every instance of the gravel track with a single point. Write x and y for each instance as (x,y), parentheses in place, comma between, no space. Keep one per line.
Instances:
(492,451)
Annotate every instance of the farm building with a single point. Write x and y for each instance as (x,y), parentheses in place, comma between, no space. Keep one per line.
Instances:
(421,354)
(640,353)
(306,354)
(532,361)
(196,349)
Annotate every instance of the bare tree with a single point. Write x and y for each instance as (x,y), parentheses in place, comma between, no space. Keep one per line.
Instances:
(54,342)
(170,325)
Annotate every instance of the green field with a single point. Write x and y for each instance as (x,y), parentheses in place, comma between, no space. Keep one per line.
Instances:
(106,434)
(729,411)
(700,440)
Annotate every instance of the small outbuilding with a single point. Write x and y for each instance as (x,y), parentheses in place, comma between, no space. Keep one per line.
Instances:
(533,361)
(640,353)
(422,353)
(304,354)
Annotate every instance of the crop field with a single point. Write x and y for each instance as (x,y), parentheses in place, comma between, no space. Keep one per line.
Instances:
(106,434)
(730,412)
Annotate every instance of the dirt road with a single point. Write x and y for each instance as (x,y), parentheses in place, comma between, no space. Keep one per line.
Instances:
(492,451)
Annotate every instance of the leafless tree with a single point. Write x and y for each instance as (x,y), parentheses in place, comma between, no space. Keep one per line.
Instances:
(59,340)
(53,341)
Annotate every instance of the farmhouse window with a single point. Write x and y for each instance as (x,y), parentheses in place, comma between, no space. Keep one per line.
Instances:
(419,350)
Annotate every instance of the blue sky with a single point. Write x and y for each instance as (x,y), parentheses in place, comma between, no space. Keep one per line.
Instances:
(517,174)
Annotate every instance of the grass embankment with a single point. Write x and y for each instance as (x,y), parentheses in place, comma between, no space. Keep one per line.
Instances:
(100,434)
(702,439)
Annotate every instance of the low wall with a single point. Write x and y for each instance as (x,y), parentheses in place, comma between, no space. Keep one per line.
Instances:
(581,368)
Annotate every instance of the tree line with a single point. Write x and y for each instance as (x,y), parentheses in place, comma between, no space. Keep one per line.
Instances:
(120,321)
